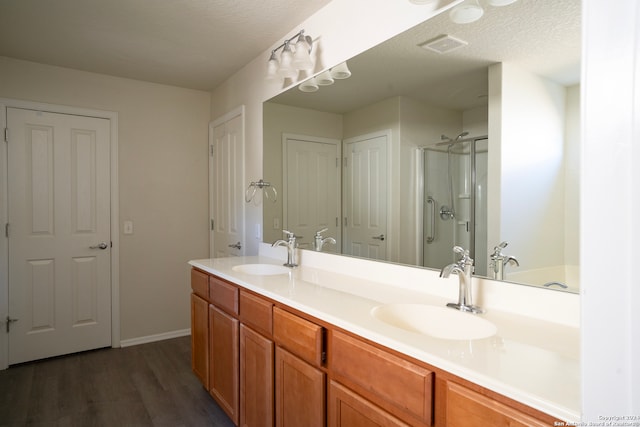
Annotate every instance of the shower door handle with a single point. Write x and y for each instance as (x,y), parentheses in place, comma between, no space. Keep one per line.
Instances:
(380,237)
(432,233)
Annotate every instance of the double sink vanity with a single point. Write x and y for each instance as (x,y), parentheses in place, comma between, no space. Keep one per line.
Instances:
(347,342)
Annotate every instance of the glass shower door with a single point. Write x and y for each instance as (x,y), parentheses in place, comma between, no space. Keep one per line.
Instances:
(455,186)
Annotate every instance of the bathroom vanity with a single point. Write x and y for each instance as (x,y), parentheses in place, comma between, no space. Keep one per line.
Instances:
(278,346)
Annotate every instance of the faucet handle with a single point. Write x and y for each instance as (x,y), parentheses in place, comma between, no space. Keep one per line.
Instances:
(497,250)
(464,255)
(288,234)
(460,250)
(291,237)
(319,232)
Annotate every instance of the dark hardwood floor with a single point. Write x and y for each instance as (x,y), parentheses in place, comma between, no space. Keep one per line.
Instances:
(144,385)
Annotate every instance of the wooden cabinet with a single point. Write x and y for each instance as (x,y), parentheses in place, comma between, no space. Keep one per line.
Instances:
(224,361)
(269,365)
(200,339)
(300,381)
(300,392)
(256,379)
(256,362)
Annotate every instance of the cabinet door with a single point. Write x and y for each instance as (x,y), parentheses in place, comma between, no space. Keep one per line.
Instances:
(256,379)
(347,409)
(200,339)
(223,361)
(300,392)
(465,407)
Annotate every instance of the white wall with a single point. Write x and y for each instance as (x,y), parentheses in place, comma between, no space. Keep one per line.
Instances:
(572,178)
(531,141)
(609,249)
(162,158)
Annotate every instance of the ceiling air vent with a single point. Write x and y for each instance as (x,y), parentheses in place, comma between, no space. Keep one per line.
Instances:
(443,44)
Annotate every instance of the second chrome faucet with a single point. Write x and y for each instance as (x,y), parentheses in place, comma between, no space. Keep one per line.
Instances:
(463,268)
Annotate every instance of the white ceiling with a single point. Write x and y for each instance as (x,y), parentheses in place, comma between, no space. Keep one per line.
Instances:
(542,36)
(189,43)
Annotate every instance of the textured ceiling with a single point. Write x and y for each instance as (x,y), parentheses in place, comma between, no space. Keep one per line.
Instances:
(542,36)
(189,43)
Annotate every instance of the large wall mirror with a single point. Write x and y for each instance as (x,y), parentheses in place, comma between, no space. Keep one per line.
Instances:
(445,135)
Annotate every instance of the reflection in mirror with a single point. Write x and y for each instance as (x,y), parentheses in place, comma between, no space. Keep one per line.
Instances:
(419,151)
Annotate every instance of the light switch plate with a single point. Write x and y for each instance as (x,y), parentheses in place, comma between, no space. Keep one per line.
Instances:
(128,227)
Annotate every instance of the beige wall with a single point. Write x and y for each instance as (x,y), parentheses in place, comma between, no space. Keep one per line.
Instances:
(162,170)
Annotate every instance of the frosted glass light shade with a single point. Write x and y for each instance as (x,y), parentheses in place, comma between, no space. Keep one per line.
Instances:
(286,70)
(340,71)
(324,78)
(272,69)
(309,85)
(466,12)
(302,59)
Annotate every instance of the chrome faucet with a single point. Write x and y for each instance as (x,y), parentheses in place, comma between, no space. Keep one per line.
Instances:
(463,268)
(291,245)
(319,241)
(498,261)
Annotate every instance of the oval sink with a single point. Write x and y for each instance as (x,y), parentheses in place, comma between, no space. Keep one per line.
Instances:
(261,269)
(438,322)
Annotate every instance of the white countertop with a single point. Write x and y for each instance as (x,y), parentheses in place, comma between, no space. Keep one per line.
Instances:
(530,360)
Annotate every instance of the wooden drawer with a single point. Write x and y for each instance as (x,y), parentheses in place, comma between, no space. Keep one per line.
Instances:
(256,312)
(397,385)
(299,336)
(347,409)
(223,294)
(200,283)
(465,407)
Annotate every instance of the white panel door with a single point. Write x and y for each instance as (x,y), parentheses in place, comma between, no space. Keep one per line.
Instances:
(365,196)
(312,189)
(59,234)
(227,196)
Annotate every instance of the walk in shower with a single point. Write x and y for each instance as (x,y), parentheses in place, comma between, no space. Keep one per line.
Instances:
(455,200)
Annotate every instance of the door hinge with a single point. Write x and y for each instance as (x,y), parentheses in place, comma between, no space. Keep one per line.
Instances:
(212,225)
(211,150)
(6,134)
(6,230)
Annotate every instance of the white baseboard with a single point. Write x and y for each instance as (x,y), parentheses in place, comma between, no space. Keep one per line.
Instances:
(154,338)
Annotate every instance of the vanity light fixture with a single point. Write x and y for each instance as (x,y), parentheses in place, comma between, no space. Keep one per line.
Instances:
(293,59)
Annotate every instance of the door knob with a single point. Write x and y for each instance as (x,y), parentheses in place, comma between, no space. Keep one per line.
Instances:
(237,246)
(380,237)
(101,245)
